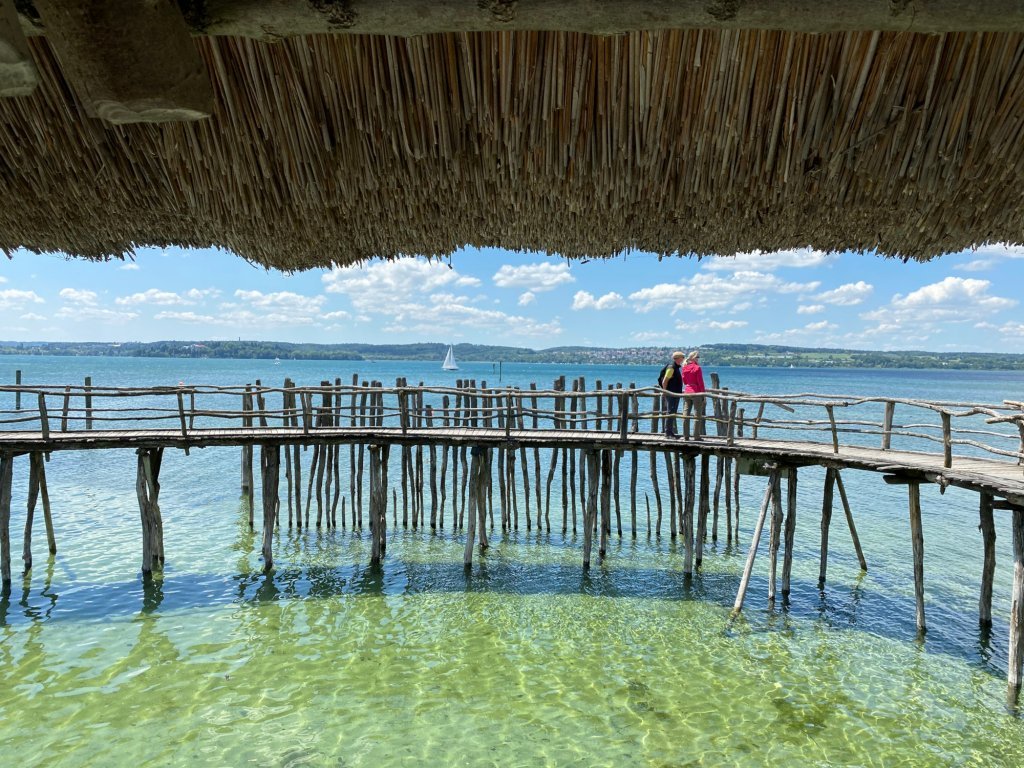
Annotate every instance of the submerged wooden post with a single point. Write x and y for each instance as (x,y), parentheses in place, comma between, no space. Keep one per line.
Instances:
(826,520)
(787,558)
(590,513)
(475,462)
(689,472)
(6,481)
(703,506)
(988,537)
(606,483)
(1016,654)
(147,487)
(378,503)
(270,468)
(754,542)
(849,521)
(917,542)
(774,539)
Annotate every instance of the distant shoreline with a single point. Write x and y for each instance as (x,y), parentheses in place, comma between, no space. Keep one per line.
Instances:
(721,355)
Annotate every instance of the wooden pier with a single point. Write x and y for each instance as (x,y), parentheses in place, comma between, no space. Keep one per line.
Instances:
(464,438)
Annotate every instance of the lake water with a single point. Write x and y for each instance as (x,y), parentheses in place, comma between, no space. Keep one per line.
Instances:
(523,660)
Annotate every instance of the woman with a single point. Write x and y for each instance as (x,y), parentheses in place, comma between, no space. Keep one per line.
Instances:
(693,381)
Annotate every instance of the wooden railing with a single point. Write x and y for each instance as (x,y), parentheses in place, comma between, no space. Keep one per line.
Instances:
(840,420)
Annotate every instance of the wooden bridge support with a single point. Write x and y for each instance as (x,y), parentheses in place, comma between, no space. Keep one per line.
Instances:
(590,510)
(741,593)
(689,473)
(988,536)
(1016,655)
(37,489)
(6,481)
(378,502)
(826,521)
(479,478)
(918,543)
(790,531)
(775,535)
(270,472)
(703,506)
(147,487)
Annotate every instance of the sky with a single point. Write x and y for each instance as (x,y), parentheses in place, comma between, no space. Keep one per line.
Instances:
(967,301)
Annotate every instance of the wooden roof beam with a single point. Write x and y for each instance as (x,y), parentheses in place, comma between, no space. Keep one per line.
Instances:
(130,61)
(18,76)
(267,19)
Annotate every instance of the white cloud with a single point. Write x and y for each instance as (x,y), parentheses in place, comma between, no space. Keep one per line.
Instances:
(643,337)
(978,265)
(920,314)
(78,314)
(3,279)
(199,294)
(810,309)
(75,296)
(847,295)
(760,261)
(1012,329)
(378,287)
(585,300)
(129,266)
(239,318)
(282,300)
(543,276)
(821,325)
(31,316)
(189,317)
(710,292)
(527,298)
(152,296)
(12,297)
(340,315)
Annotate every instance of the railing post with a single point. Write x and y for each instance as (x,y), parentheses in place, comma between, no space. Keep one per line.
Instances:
(731,426)
(181,413)
(623,415)
(757,421)
(835,434)
(44,419)
(403,418)
(64,410)
(947,441)
(88,402)
(890,409)
(17,395)
(508,414)
(307,409)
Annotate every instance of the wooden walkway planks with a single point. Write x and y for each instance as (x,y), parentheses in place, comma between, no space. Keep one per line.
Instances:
(1001,478)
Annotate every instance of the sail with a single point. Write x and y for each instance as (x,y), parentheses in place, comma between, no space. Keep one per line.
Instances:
(449,361)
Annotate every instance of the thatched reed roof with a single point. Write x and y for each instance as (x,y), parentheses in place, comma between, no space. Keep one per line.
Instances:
(331,149)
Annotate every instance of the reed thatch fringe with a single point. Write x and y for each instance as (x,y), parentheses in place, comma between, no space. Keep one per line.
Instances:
(334,149)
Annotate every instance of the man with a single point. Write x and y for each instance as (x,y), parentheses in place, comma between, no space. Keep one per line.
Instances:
(672,382)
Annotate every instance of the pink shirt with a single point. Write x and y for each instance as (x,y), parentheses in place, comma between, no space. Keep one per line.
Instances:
(693,377)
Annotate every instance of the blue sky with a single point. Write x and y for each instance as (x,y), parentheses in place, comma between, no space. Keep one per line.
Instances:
(966,301)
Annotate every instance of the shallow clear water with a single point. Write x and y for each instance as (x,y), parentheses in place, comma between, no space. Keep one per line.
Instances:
(525,659)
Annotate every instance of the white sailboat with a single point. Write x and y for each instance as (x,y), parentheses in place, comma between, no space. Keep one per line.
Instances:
(449,363)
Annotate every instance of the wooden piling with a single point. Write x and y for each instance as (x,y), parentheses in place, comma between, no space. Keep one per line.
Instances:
(775,536)
(703,507)
(1016,649)
(988,537)
(755,541)
(17,395)
(787,558)
(6,482)
(33,493)
(606,488)
(270,463)
(147,486)
(378,494)
(849,521)
(88,404)
(917,542)
(689,472)
(590,511)
(826,521)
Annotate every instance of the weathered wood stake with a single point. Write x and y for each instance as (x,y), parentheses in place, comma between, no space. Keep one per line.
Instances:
(988,537)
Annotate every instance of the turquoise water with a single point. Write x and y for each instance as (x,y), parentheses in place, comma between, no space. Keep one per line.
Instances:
(524,660)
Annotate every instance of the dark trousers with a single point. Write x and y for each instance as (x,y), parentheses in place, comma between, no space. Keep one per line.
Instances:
(670,405)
